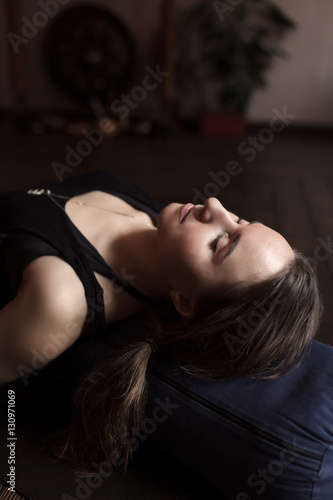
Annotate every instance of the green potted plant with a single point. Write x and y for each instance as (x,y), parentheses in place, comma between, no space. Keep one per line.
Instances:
(222,52)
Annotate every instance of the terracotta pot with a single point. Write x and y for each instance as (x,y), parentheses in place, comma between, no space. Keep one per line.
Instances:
(223,124)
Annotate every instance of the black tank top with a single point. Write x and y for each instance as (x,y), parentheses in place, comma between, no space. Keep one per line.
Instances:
(32,226)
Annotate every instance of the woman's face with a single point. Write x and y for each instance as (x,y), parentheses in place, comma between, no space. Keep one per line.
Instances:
(201,247)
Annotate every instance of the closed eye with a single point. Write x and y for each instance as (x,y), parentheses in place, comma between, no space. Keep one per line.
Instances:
(234,243)
(215,242)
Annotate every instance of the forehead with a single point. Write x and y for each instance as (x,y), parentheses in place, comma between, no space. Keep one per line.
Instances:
(261,252)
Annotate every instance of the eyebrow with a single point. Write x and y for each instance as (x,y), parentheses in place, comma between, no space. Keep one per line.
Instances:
(236,241)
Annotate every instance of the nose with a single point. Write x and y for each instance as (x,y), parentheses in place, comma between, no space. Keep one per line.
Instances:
(213,209)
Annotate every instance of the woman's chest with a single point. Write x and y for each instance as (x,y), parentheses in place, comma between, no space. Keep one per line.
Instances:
(103,218)
(105,221)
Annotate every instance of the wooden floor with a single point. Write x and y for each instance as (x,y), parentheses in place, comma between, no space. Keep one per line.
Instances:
(288,184)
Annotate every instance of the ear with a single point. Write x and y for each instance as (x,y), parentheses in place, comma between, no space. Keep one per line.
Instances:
(184,305)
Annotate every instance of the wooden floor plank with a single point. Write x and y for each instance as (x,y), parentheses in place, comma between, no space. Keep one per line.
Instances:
(259,203)
(5,494)
(318,196)
(300,230)
(294,223)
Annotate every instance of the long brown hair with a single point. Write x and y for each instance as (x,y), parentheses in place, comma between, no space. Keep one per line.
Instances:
(258,330)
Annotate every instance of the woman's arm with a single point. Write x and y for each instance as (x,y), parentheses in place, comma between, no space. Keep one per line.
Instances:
(44,319)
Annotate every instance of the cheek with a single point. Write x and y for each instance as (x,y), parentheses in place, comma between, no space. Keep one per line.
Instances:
(183,258)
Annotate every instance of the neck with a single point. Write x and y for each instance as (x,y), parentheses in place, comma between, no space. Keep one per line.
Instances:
(139,259)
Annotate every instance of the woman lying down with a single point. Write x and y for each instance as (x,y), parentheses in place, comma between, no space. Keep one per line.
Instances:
(97,239)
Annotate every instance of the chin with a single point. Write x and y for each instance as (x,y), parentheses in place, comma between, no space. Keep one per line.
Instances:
(169,214)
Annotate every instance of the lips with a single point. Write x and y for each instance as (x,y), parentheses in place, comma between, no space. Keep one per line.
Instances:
(185,211)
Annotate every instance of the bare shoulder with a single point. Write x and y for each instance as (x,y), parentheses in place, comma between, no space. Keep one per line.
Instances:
(55,284)
(45,318)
